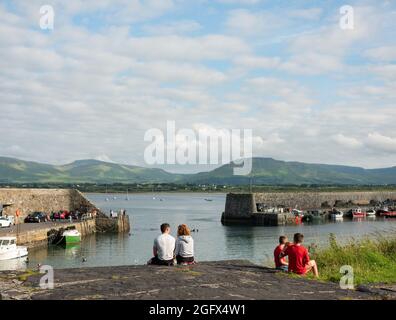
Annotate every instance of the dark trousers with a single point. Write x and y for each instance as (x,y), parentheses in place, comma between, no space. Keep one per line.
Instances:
(181,259)
(159,262)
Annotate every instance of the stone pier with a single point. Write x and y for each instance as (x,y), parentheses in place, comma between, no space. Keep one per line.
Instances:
(242,207)
(27,201)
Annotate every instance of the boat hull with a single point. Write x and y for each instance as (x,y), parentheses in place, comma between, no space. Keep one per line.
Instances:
(14,254)
(69,239)
(359,215)
(388,214)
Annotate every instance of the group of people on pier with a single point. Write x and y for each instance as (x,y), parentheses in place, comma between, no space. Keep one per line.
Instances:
(298,256)
(167,249)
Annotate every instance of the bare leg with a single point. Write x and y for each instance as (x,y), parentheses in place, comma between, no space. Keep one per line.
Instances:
(314,267)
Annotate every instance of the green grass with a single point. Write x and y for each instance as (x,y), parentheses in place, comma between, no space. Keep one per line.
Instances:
(373,260)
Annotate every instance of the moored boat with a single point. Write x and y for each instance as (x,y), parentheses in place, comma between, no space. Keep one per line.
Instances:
(371,213)
(315,216)
(9,249)
(336,214)
(358,213)
(71,236)
(387,213)
(298,213)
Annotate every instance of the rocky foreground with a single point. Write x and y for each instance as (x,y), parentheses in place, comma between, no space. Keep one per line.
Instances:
(225,280)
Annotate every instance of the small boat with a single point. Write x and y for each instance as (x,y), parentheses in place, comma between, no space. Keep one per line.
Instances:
(9,249)
(336,214)
(315,216)
(385,212)
(208,199)
(298,213)
(371,213)
(70,236)
(358,213)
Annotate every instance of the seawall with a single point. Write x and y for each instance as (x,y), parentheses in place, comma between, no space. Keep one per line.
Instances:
(242,207)
(27,201)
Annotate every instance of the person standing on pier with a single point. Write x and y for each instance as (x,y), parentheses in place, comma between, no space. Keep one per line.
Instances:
(299,261)
(164,247)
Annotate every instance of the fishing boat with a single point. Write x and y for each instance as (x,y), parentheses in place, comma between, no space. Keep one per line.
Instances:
(314,216)
(70,235)
(385,212)
(298,213)
(371,213)
(336,214)
(9,249)
(358,213)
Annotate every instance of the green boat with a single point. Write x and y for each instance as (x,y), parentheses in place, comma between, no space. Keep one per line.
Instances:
(71,236)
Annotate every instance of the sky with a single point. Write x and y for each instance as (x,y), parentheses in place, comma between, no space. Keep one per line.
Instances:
(109,71)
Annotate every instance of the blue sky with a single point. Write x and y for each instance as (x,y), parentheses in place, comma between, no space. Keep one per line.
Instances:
(111,70)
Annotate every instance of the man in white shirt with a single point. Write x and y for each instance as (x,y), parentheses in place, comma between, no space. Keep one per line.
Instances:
(164,247)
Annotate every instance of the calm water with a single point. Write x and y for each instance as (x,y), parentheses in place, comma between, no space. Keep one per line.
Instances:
(213,241)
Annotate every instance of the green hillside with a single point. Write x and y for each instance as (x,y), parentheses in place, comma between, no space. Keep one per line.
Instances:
(266,171)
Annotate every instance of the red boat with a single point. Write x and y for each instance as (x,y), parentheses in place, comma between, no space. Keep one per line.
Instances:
(387,213)
(358,213)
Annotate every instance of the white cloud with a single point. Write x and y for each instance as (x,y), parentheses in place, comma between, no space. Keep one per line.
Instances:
(381,142)
(347,142)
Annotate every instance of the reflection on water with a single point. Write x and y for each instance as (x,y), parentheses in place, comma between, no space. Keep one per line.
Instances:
(213,241)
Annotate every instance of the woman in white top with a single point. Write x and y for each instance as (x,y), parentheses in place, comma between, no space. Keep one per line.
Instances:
(184,249)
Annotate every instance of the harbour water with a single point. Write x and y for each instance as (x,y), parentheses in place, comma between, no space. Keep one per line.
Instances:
(201,211)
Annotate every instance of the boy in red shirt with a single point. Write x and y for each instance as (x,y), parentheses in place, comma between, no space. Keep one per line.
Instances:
(299,261)
(280,263)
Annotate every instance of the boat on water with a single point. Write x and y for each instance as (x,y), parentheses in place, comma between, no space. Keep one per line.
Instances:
(10,250)
(385,212)
(208,199)
(371,213)
(336,214)
(70,236)
(314,216)
(358,213)
(298,213)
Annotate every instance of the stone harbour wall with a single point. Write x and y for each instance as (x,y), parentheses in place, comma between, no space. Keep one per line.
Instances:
(315,200)
(243,206)
(46,200)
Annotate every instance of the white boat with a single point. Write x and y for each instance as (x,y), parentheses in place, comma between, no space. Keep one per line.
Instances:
(371,213)
(336,214)
(298,213)
(9,249)
(5,222)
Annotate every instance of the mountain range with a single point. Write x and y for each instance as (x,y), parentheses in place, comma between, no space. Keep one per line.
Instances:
(266,171)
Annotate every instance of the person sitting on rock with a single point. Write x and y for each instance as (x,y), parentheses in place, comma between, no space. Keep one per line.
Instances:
(280,263)
(299,261)
(184,250)
(164,247)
